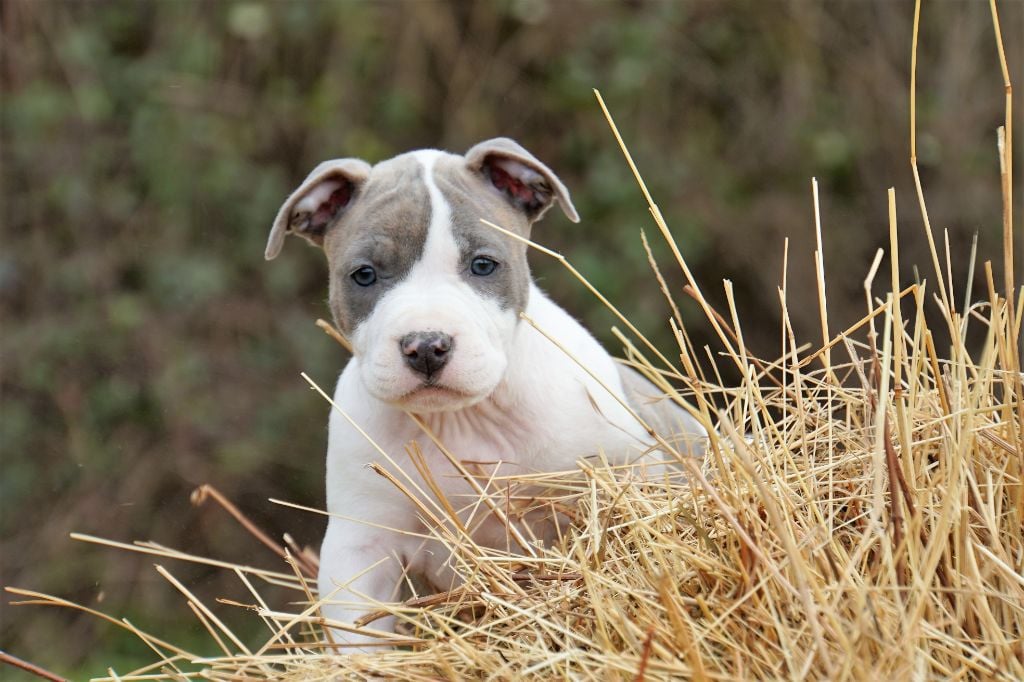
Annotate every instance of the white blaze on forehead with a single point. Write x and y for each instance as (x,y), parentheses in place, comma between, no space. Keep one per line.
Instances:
(440,252)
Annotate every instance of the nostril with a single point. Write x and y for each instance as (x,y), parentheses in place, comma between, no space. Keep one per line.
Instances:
(410,345)
(441,347)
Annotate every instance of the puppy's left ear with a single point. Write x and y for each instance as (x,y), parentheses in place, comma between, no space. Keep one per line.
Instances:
(321,198)
(527,183)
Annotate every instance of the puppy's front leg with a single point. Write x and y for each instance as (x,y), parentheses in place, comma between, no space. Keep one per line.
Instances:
(358,568)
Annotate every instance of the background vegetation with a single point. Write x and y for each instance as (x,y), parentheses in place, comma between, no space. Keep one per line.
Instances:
(147,347)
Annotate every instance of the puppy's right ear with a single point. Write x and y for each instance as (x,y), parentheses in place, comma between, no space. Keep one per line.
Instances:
(321,198)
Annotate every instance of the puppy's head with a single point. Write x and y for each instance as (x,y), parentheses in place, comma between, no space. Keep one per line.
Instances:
(429,296)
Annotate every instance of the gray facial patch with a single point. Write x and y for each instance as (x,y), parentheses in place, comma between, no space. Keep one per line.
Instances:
(385,228)
(471,199)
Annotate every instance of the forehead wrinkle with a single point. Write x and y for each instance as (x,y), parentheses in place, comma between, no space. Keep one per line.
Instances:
(378,247)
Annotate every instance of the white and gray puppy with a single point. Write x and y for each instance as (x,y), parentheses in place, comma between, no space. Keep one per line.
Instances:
(430,298)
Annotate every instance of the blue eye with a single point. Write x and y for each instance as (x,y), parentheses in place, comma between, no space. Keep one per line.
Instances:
(483,266)
(364,276)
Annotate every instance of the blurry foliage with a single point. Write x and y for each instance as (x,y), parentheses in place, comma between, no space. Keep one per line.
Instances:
(148,348)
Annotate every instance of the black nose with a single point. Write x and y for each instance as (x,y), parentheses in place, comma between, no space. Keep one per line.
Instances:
(426,352)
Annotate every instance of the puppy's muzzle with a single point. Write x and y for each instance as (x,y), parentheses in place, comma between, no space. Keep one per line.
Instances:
(426,352)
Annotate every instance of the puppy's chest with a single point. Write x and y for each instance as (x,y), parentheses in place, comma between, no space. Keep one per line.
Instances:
(485,439)
(494,441)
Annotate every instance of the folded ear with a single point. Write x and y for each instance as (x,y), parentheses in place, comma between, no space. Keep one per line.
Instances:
(527,183)
(321,198)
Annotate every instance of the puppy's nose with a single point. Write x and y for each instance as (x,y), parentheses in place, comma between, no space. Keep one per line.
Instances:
(426,352)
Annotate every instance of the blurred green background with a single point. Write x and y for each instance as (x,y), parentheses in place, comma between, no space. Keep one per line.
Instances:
(147,347)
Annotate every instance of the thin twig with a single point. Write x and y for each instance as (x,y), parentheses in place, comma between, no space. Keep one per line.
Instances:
(32,668)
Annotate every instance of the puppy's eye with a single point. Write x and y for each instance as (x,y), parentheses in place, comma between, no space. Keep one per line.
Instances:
(364,276)
(483,266)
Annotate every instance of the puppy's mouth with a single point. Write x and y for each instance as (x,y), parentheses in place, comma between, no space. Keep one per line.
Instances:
(431,396)
(432,387)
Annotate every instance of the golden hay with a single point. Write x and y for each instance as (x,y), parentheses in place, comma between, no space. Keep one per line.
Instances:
(854,519)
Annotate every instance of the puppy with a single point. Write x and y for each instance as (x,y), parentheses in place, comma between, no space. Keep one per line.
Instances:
(430,299)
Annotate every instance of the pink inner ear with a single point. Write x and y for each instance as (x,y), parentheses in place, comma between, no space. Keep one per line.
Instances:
(505,182)
(329,208)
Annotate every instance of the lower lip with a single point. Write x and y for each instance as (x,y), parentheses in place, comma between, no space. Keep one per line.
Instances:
(433,392)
